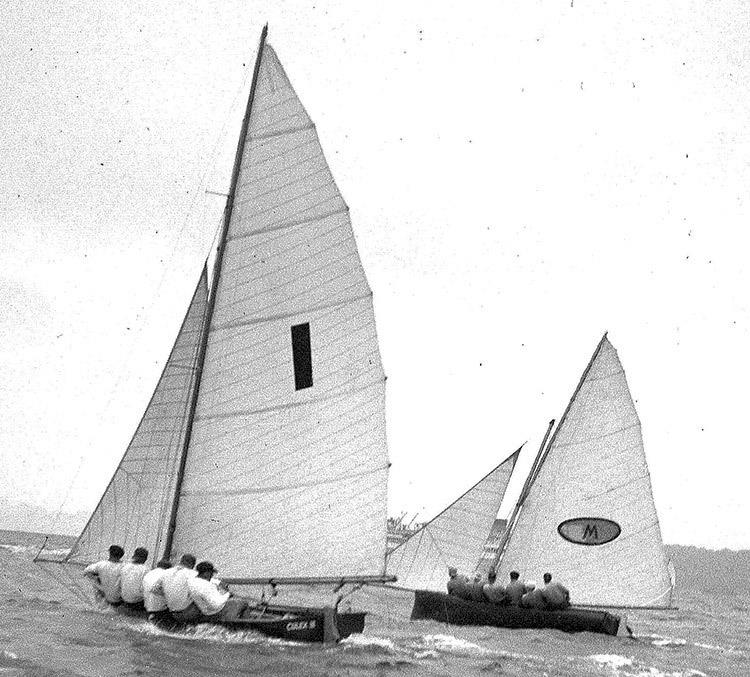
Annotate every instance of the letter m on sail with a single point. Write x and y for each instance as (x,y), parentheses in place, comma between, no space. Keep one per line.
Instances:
(590,532)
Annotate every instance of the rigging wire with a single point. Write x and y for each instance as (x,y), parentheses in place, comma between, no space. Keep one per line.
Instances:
(145,317)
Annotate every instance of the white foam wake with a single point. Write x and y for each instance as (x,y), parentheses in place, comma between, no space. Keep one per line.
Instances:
(621,665)
(208,632)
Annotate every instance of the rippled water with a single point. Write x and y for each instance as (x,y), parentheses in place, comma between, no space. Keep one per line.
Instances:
(45,630)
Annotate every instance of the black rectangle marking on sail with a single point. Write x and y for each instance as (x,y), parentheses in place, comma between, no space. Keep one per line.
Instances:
(302,356)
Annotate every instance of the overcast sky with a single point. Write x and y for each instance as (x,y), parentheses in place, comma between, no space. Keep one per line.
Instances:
(521,178)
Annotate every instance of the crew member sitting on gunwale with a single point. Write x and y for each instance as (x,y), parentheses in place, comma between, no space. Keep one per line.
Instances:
(131,579)
(174,584)
(458,584)
(209,601)
(153,594)
(493,591)
(533,598)
(554,594)
(105,576)
(515,590)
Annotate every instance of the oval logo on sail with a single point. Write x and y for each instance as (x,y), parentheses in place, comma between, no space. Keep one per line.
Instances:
(589,530)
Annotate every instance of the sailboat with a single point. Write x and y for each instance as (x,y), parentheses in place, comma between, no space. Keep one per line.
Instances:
(263,448)
(585,513)
(455,537)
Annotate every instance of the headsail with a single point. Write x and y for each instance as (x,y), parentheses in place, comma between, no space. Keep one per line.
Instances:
(134,509)
(592,485)
(455,537)
(286,469)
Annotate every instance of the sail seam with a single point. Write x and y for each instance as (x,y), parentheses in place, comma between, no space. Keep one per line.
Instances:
(270,107)
(368,433)
(301,311)
(289,405)
(327,330)
(294,264)
(283,132)
(318,186)
(591,379)
(284,487)
(291,224)
(279,187)
(640,478)
(334,294)
(296,198)
(303,433)
(287,151)
(598,437)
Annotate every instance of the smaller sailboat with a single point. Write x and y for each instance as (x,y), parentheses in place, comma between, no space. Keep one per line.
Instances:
(263,448)
(455,537)
(586,514)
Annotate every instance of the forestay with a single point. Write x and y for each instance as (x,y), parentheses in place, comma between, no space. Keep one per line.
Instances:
(134,510)
(455,537)
(287,465)
(594,468)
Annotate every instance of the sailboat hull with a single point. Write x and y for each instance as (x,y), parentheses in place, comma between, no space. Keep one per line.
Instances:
(296,624)
(438,606)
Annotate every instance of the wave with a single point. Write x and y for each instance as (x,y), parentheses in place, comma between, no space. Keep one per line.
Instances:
(16,549)
(620,665)
(612,660)
(660,640)
(716,647)
(374,644)
(208,632)
(454,645)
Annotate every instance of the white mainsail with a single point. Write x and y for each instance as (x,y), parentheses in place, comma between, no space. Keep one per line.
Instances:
(264,446)
(134,510)
(455,537)
(594,472)
(286,471)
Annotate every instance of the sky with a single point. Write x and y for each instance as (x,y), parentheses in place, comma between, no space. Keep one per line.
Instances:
(521,177)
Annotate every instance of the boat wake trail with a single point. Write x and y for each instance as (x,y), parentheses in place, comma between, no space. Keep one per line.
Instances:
(626,667)
(207,632)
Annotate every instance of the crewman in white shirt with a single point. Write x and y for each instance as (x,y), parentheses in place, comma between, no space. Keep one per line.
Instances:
(174,584)
(555,595)
(493,591)
(105,576)
(209,601)
(153,595)
(131,579)
(533,598)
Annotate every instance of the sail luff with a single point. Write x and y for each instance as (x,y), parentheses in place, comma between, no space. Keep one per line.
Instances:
(522,496)
(213,291)
(564,417)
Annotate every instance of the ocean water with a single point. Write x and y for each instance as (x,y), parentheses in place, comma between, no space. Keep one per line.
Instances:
(47,627)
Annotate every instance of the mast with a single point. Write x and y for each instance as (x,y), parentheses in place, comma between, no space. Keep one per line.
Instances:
(212,294)
(522,495)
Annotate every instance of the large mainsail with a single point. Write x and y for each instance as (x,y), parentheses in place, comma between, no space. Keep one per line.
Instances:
(593,474)
(286,469)
(134,510)
(455,537)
